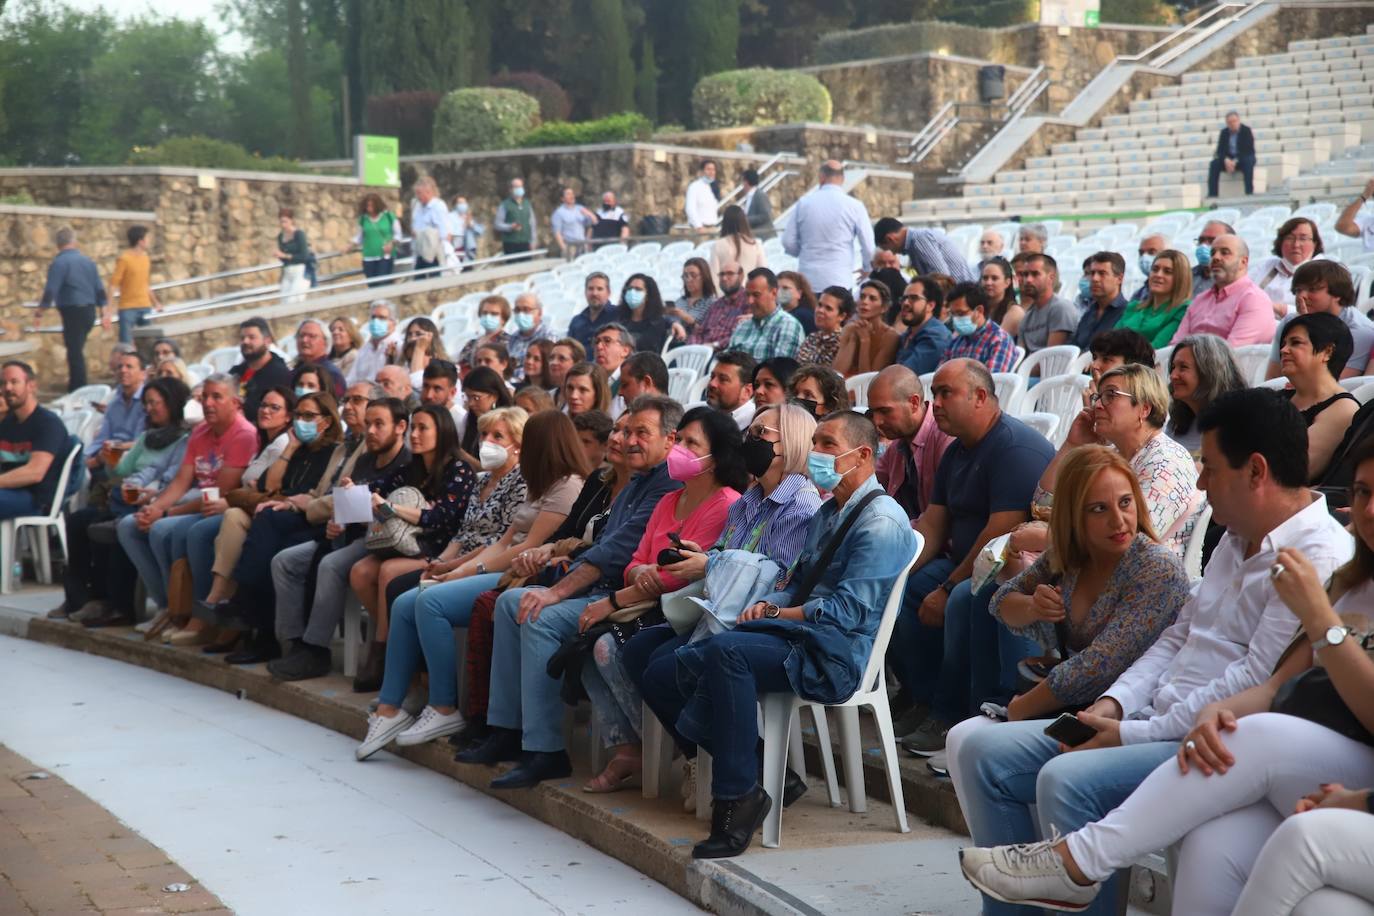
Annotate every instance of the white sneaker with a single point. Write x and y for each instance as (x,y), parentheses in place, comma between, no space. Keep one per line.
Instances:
(1029,873)
(431,724)
(689,785)
(145,626)
(380,731)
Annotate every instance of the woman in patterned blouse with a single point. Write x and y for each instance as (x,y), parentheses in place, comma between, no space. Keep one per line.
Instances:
(834,307)
(1106,583)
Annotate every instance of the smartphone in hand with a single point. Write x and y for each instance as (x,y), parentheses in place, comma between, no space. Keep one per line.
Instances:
(1070,732)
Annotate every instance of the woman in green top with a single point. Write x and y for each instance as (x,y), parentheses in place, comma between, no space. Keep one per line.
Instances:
(378,233)
(1169,293)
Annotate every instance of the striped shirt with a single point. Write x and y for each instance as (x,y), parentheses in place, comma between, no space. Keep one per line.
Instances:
(783,516)
(931,252)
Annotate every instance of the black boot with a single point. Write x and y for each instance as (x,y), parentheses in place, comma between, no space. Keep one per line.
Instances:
(474,733)
(369,679)
(502,745)
(261,647)
(534,768)
(733,825)
(302,662)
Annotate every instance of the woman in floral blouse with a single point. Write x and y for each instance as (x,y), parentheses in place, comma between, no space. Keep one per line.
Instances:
(834,307)
(1105,582)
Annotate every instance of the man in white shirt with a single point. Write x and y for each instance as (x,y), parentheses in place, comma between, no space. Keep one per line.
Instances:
(1355,224)
(1227,638)
(823,228)
(381,333)
(702,201)
(428,224)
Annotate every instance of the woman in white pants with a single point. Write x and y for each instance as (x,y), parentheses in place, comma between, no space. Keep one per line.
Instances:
(1317,864)
(1224,798)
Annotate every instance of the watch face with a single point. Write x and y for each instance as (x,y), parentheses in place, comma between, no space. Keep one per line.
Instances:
(1335,636)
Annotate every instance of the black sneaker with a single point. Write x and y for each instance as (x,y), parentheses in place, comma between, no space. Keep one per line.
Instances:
(928,739)
(911,719)
(304,662)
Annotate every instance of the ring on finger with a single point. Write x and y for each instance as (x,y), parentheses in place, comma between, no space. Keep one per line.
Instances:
(1190,745)
(1277,570)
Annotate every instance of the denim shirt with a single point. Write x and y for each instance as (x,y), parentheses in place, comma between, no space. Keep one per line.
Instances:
(625,528)
(832,645)
(124,421)
(920,350)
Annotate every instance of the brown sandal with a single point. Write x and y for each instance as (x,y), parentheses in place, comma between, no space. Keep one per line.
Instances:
(622,771)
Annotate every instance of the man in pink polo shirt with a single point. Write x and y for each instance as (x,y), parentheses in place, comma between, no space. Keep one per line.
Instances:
(1235,308)
(897,406)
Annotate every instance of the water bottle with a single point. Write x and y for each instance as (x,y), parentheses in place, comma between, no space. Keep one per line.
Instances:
(17,572)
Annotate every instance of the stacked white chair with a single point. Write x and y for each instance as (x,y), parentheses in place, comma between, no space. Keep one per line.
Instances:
(857,386)
(1050,361)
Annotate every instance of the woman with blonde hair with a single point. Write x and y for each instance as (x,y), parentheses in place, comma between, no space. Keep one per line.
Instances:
(1169,292)
(344,342)
(736,244)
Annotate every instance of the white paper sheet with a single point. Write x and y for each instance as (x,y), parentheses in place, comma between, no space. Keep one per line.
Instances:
(352,505)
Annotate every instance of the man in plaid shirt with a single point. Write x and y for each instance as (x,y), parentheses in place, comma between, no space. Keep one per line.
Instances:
(975,335)
(716,326)
(770,331)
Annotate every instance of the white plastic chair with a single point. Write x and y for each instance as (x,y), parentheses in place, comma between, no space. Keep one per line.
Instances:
(1253,362)
(1046,424)
(1365,394)
(1276,384)
(680,383)
(76,421)
(695,357)
(857,386)
(1050,361)
(1162,357)
(1020,357)
(697,393)
(780,710)
(1192,554)
(1061,395)
(222,358)
(1080,363)
(84,397)
(1011,388)
(37,527)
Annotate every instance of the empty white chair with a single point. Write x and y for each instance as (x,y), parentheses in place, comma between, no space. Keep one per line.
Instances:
(680,384)
(222,358)
(76,421)
(445,310)
(1162,357)
(857,386)
(1050,361)
(85,396)
(286,347)
(199,372)
(1046,424)
(780,710)
(697,393)
(1020,358)
(37,526)
(1080,363)
(695,357)
(1061,395)
(1365,394)
(1356,382)
(1011,387)
(1253,362)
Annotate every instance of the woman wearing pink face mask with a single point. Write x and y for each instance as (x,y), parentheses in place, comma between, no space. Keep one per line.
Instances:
(708,459)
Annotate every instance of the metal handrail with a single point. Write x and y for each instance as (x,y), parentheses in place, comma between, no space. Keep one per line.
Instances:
(739,188)
(237,272)
(422,273)
(930,125)
(1023,88)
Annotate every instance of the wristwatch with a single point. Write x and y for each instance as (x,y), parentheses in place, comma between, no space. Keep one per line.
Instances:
(771,610)
(481,568)
(1334,637)
(948,586)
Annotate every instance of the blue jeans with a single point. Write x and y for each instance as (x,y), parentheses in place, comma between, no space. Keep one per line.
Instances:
(14,503)
(1000,769)
(647,648)
(523,696)
(740,666)
(130,319)
(200,553)
(981,655)
(616,701)
(916,649)
(422,622)
(154,551)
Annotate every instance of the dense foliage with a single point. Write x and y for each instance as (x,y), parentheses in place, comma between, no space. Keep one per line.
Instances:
(479,119)
(740,98)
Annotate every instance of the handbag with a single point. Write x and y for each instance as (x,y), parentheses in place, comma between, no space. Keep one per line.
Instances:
(396,537)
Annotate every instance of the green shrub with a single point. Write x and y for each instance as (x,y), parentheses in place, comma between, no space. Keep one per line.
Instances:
(483,119)
(554,103)
(18,198)
(207,153)
(617,128)
(740,98)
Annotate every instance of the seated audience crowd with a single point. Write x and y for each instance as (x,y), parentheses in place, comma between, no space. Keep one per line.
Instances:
(599,540)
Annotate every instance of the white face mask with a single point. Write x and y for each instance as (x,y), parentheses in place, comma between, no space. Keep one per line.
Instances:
(492,456)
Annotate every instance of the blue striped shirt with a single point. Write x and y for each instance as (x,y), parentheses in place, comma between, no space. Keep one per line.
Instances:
(784,515)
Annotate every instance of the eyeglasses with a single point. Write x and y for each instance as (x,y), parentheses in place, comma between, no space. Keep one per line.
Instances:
(913,297)
(758,431)
(271,408)
(356,399)
(1109,395)
(308,417)
(1206,239)
(1298,238)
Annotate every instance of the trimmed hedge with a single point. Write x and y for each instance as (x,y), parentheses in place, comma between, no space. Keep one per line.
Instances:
(483,119)
(554,103)
(206,153)
(617,128)
(759,96)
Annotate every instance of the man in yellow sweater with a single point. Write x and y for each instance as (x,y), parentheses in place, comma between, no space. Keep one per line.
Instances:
(132,285)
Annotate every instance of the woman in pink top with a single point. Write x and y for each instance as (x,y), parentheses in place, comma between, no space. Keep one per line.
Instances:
(708,459)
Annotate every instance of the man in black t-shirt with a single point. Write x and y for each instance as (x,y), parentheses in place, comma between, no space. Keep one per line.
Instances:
(261,369)
(33,445)
(611,221)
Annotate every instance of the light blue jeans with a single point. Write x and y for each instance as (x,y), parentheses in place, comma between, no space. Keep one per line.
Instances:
(154,551)
(523,696)
(422,623)
(1000,769)
(130,319)
(616,702)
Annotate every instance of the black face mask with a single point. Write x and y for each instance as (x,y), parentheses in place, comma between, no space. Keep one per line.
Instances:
(758,455)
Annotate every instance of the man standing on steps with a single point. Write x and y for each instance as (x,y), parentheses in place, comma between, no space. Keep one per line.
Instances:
(515,221)
(702,198)
(74,287)
(822,229)
(1235,152)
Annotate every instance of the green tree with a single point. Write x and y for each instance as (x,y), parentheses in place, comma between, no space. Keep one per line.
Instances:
(416,44)
(298,78)
(646,81)
(258,112)
(703,37)
(159,78)
(613,76)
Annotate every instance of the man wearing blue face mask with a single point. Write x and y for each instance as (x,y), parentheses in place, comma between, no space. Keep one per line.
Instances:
(515,221)
(1150,246)
(381,334)
(530,326)
(1202,255)
(976,336)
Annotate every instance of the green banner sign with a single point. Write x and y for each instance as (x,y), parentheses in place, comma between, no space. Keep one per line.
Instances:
(1092,18)
(378,160)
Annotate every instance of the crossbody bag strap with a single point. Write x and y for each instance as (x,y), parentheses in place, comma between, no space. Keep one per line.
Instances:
(813,576)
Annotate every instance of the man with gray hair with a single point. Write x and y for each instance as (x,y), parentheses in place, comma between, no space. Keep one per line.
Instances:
(823,228)
(1235,308)
(428,225)
(312,349)
(515,221)
(74,287)
(530,326)
(983,489)
(1032,239)
(381,336)
(1235,153)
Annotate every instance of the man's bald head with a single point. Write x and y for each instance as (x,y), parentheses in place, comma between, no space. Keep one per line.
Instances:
(832,171)
(896,403)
